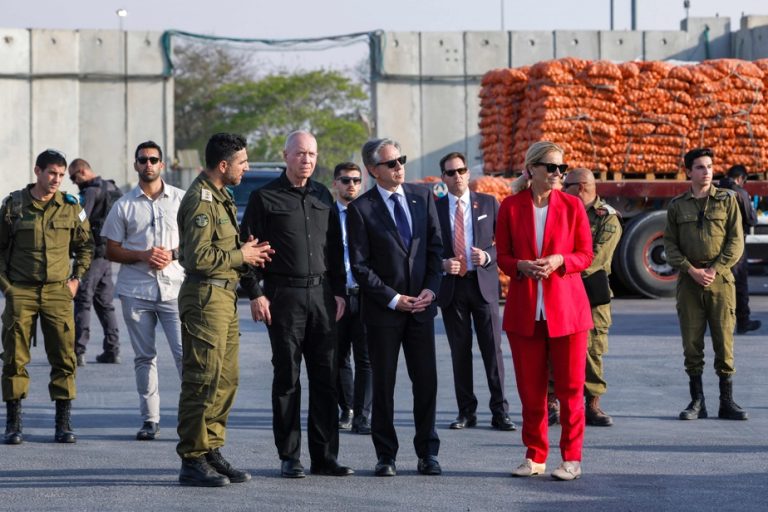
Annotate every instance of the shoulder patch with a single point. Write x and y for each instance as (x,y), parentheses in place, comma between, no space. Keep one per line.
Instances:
(723,193)
(223,220)
(678,197)
(69,198)
(201,220)
(609,209)
(205,195)
(82,216)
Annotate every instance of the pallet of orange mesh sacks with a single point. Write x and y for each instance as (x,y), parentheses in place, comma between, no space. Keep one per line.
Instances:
(627,120)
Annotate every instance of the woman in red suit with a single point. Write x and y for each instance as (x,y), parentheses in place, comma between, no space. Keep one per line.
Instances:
(543,243)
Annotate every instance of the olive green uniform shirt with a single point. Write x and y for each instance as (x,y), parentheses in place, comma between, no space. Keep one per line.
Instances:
(38,246)
(209,244)
(704,236)
(606,233)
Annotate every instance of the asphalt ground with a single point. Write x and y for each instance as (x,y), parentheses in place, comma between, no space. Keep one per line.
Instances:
(648,461)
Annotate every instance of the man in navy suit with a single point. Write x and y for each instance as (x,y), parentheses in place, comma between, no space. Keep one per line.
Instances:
(470,291)
(395,248)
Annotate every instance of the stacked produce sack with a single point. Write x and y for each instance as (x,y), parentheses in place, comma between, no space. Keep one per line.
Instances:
(633,117)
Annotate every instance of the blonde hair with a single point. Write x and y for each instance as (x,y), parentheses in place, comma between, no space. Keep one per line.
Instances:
(538,149)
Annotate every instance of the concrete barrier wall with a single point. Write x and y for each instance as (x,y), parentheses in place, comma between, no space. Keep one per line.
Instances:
(425,85)
(93,94)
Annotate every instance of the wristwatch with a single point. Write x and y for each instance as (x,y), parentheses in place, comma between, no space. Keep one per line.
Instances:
(174,254)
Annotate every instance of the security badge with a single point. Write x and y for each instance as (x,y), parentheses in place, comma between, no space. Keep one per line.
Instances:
(201,220)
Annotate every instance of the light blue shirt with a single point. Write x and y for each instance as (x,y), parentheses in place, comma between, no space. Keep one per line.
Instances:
(351,283)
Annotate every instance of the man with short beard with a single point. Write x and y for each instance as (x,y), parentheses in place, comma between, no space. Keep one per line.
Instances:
(142,235)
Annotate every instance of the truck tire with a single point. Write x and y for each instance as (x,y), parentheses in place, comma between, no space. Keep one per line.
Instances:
(640,261)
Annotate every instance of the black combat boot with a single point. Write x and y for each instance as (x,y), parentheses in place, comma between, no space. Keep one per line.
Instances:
(697,408)
(594,415)
(198,472)
(223,467)
(729,410)
(64,432)
(13,422)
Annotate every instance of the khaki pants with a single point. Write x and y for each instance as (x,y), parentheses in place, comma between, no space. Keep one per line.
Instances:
(698,307)
(597,345)
(210,340)
(53,304)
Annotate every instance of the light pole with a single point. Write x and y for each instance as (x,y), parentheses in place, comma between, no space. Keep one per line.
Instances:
(121,13)
(501,5)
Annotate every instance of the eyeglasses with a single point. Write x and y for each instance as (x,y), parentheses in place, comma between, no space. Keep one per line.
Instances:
(347,180)
(144,159)
(452,172)
(393,163)
(551,168)
(566,185)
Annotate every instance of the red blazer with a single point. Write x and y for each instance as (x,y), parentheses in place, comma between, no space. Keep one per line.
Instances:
(566,232)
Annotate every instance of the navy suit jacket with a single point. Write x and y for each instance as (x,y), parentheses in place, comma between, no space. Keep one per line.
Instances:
(484,210)
(382,265)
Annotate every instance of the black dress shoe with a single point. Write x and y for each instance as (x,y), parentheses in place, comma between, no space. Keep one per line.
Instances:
(108,358)
(749,325)
(223,467)
(330,468)
(149,431)
(198,473)
(502,422)
(429,466)
(385,467)
(463,422)
(345,420)
(291,469)
(361,426)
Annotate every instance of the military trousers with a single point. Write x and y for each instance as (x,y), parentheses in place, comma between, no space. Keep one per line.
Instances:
(597,345)
(699,307)
(210,339)
(52,303)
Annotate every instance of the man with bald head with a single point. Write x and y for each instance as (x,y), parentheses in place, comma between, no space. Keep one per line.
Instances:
(300,302)
(606,232)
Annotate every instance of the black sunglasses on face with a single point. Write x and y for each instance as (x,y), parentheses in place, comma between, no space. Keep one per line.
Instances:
(452,172)
(393,163)
(551,168)
(152,159)
(346,180)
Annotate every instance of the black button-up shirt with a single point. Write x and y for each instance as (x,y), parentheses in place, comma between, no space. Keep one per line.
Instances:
(302,226)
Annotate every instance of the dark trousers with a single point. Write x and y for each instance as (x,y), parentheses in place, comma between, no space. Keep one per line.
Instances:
(97,290)
(740,275)
(303,325)
(468,305)
(355,390)
(418,342)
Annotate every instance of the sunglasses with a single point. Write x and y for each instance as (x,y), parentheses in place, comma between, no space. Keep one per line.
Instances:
(393,163)
(551,168)
(144,159)
(346,180)
(452,172)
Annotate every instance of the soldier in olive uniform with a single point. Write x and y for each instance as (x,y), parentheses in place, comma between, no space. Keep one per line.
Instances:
(41,229)
(214,259)
(606,232)
(704,239)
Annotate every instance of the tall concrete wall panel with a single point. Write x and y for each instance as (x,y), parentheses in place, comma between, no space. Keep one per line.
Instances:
(399,117)
(442,54)
(526,48)
(582,44)
(708,38)
(443,123)
(91,94)
(484,51)
(621,45)
(15,165)
(472,146)
(401,52)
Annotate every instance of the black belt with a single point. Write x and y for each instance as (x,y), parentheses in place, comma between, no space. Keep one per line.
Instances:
(294,282)
(354,291)
(227,284)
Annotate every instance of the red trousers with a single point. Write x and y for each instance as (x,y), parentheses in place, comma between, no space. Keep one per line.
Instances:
(531,357)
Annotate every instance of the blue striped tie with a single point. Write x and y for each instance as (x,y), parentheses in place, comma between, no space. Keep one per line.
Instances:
(402,221)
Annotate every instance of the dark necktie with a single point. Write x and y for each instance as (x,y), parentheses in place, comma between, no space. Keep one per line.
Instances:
(402,221)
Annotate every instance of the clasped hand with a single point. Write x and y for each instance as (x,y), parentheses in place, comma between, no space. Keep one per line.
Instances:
(541,268)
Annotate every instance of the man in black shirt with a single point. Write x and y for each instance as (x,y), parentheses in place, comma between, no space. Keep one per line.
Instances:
(97,289)
(300,302)
(734,180)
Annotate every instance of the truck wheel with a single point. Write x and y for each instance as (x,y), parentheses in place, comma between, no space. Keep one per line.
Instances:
(641,262)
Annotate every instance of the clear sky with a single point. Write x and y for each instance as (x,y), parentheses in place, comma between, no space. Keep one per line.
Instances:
(278,19)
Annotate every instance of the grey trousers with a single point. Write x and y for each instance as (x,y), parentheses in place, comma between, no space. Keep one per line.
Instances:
(141,317)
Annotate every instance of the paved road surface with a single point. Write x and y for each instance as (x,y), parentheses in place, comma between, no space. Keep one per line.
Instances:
(648,461)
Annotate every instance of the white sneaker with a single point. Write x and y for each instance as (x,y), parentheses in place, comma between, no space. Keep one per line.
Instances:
(568,470)
(529,468)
